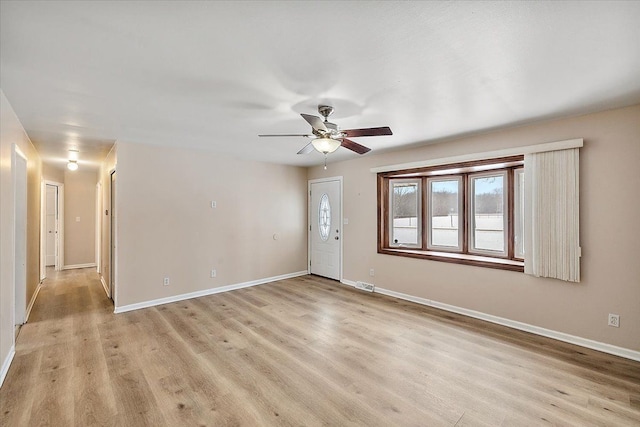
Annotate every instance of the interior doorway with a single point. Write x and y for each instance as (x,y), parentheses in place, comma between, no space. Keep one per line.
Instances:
(325,227)
(20,235)
(52,226)
(113,238)
(98,228)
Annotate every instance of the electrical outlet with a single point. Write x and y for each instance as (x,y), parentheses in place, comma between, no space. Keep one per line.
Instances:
(614,320)
(166,281)
(214,204)
(213,273)
(372,272)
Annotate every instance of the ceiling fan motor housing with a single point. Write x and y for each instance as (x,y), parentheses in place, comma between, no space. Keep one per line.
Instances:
(325,111)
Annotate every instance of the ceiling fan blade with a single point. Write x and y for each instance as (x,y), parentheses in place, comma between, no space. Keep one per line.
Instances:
(306,149)
(368,132)
(354,146)
(289,134)
(315,122)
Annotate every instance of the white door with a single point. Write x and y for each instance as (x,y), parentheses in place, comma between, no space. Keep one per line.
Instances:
(20,269)
(51,228)
(325,229)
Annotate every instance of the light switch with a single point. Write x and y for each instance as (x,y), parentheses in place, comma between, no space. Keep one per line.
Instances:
(77,219)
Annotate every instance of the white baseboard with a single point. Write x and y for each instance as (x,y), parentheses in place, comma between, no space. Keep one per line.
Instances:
(105,287)
(73,266)
(32,302)
(560,336)
(348,282)
(7,363)
(211,291)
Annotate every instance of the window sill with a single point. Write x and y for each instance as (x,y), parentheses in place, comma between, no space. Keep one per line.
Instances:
(476,260)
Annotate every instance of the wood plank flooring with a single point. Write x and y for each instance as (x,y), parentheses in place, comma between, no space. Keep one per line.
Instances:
(304,351)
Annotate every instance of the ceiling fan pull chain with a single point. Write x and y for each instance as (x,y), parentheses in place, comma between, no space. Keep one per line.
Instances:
(325,161)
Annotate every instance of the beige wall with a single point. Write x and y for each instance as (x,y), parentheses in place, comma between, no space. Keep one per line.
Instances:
(610,209)
(12,132)
(52,173)
(79,203)
(167,228)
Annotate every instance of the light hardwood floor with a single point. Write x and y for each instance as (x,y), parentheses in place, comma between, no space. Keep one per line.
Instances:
(304,351)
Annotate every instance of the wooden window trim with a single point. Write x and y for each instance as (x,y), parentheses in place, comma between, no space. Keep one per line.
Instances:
(510,262)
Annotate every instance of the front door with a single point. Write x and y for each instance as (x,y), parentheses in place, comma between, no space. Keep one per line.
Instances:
(325,230)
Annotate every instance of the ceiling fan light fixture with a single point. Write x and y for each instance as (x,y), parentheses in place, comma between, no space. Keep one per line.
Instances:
(325,145)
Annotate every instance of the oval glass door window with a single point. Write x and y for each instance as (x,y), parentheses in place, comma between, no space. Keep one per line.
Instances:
(324,217)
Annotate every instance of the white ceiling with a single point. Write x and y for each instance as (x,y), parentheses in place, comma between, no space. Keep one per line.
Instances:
(214,75)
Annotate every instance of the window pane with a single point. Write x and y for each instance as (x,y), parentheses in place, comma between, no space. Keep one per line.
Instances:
(519,213)
(324,217)
(404,212)
(488,213)
(444,220)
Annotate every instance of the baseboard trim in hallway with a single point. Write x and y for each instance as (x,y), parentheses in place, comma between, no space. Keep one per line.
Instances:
(104,286)
(74,266)
(32,302)
(7,363)
(205,292)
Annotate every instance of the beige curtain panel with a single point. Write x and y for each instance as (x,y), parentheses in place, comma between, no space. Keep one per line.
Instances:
(552,241)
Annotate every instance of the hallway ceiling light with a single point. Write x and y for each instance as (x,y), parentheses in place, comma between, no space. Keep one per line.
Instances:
(73,160)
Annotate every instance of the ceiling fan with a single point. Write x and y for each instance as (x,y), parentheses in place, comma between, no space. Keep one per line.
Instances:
(328,137)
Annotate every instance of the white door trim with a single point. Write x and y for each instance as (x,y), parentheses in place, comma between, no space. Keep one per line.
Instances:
(113,238)
(43,230)
(98,229)
(19,289)
(315,181)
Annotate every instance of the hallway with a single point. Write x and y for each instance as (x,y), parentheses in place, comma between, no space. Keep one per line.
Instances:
(59,341)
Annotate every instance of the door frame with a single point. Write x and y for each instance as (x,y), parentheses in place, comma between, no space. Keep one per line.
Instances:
(59,263)
(98,231)
(43,226)
(19,289)
(316,181)
(113,240)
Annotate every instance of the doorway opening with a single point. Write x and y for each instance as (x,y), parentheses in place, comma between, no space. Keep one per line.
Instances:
(53,225)
(20,236)
(113,223)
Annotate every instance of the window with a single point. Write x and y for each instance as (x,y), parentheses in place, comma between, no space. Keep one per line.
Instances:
(405,220)
(445,205)
(467,213)
(487,219)
(324,217)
